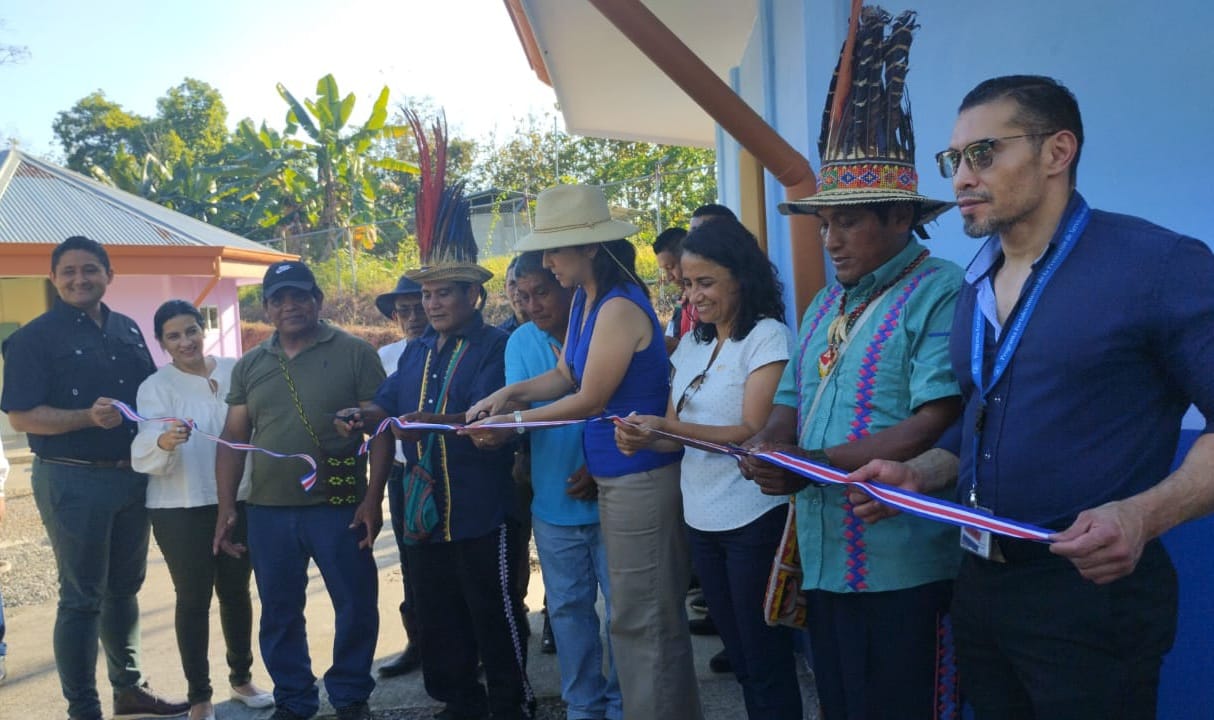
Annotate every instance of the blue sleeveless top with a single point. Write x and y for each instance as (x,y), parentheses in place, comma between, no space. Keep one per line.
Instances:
(644,389)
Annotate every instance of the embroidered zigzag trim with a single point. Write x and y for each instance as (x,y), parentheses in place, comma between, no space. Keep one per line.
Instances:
(503,565)
(853,530)
(948,701)
(827,303)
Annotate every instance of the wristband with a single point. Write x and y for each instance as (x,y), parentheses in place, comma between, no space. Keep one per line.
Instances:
(518,418)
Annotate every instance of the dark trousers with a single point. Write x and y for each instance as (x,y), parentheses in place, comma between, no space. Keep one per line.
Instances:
(396,508)
(1037,641)
(281,542)
(97,521)
(733,566)
(184,536)
(524,493)
(465,600)
(876,654)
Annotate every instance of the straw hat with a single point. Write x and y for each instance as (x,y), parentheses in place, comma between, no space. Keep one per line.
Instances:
(568,215)
(867,144)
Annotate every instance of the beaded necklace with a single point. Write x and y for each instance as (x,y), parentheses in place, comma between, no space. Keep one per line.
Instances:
(841,326)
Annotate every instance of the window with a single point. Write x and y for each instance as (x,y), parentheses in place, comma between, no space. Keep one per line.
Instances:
(210,317)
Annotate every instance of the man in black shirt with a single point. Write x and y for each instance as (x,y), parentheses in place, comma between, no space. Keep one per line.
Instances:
(62,373)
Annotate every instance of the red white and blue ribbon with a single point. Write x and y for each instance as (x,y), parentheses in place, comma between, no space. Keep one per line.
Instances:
(307,481)
(923,506)
(445,427)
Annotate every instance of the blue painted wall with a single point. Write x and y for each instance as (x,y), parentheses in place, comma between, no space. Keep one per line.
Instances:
(1145,90)
(1144,77)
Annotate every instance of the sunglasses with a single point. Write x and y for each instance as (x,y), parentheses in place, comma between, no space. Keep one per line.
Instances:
(692,388)
(979,155)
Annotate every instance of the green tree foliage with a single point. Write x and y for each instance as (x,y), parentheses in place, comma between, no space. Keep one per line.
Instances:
(330,189)
(655,186)
(194,112)
(343,159)
(96,132)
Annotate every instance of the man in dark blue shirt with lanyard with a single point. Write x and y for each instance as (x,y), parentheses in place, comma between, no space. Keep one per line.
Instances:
(1080,339)
(62,373)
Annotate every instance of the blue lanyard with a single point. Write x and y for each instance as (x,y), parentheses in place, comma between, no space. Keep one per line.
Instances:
(1077,223)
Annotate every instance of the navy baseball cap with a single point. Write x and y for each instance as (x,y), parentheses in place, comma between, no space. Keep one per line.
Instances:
(287,274)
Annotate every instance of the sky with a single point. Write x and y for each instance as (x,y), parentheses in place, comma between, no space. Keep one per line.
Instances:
(463,53)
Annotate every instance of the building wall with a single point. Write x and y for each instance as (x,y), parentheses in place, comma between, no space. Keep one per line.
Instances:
(1147,96)
(21,299)
(1146,91)
(139,295)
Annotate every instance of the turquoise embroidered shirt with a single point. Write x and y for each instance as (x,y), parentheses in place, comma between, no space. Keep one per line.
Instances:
(897,361)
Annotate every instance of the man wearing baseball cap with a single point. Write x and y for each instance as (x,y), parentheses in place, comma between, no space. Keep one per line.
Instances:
(283,398)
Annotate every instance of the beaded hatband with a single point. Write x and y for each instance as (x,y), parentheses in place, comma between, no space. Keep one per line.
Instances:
(868,176)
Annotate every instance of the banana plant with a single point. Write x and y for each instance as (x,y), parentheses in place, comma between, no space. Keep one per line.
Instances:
(343,156)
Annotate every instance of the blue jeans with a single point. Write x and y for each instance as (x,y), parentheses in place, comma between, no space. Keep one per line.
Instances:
(281,541)
(573,561)
(733,566)
(98,528)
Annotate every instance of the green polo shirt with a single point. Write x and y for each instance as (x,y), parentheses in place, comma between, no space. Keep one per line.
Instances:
(338,371)
(897,361)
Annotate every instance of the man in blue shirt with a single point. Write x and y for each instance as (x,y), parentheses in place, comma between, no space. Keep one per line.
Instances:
(62,373)
(1080,339)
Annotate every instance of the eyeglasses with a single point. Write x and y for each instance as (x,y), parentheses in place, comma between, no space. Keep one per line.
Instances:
(979,154)
(417,310)
(692,387)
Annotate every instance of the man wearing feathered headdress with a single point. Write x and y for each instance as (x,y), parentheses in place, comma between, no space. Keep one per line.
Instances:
(457,495)
(871,378)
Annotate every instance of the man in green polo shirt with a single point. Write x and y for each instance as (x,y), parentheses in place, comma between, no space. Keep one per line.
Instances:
(284,395)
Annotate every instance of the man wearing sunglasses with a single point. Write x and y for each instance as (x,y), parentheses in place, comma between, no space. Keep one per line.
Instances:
(1080,339)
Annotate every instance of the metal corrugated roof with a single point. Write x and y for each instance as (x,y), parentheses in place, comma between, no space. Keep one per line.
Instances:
(44,203)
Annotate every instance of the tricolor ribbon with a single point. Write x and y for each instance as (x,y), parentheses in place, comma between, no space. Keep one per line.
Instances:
(307,481)
(444,427)
(923,506)
(914,503)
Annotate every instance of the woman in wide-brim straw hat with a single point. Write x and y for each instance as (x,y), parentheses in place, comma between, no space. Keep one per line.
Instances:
(614,362)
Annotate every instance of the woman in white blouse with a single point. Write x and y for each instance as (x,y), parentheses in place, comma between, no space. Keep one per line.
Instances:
(182,503)
(725,374)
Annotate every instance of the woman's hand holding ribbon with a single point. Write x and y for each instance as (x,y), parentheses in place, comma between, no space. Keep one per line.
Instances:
(633,432)
(175,433)
(495,404)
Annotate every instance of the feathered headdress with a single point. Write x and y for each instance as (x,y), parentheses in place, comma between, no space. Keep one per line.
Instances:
(867,144)
(444,228)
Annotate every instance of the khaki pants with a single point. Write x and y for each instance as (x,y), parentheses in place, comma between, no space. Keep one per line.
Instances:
(649,566)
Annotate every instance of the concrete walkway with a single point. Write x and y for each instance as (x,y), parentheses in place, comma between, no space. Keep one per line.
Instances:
(31,691)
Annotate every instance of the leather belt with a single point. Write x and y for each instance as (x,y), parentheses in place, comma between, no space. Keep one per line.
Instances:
(76,462)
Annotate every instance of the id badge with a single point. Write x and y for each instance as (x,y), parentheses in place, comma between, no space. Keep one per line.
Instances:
(981,542)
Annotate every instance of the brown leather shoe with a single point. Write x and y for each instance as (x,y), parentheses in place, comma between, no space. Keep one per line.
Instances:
(140,702)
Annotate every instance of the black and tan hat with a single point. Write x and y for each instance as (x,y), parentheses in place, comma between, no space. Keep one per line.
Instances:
(867,144)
